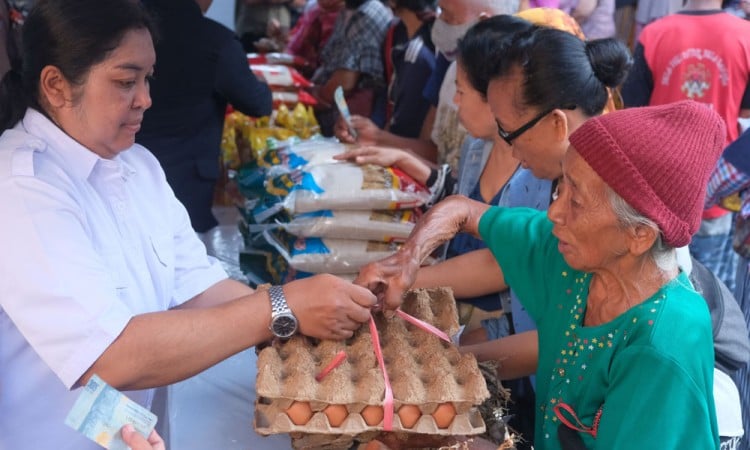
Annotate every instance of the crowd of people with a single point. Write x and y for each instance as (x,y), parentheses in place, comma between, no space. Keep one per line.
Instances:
(575,152)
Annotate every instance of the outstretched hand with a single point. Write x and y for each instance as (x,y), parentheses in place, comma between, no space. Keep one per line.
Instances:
(389,157)
(380,156)
(329,307)
(389,278)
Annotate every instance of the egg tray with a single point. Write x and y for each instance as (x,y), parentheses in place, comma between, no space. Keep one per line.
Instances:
(423,370)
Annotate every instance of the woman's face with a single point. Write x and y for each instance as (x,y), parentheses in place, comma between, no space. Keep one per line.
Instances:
(107,109)
(539,149)
(589,233)
(473,110)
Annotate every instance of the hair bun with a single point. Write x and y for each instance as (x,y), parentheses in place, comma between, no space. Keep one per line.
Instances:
(610,60)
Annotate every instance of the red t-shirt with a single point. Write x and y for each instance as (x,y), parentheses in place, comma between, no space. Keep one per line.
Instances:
(703,57)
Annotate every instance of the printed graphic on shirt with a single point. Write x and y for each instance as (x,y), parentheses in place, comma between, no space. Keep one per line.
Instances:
(696,81)
(695,69)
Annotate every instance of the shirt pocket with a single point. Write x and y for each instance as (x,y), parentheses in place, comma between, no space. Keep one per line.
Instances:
(162,266)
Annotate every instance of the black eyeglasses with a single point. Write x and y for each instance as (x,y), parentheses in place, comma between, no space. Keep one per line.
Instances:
(509,137)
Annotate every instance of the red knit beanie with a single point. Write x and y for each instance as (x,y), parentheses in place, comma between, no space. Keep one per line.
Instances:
(658,159)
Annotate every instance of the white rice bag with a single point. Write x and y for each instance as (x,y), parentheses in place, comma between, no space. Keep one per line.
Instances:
(347,186)
(385,226)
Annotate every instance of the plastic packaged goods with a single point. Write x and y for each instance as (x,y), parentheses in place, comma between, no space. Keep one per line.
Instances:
(280,76)
(325,255)
(245,139)
(347,186)
(384,226)
(293,154)
(435,388)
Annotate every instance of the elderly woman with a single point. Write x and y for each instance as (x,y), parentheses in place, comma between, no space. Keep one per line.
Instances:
(625,343)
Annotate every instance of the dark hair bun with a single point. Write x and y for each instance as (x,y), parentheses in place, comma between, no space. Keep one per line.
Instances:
(610,60)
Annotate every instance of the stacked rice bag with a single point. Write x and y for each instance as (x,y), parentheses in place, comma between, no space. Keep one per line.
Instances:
(322,215)
(286,83)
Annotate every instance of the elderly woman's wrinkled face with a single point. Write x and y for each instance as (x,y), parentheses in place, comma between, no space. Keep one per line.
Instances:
(537,148)
(590,235)
(473,110)
(107,109)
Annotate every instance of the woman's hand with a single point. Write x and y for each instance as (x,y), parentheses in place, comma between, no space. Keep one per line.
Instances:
(135,441)
(329,307)
(388,157)
(367,132)
(389,278)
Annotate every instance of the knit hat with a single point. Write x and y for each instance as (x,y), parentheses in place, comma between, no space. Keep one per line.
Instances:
(658,159)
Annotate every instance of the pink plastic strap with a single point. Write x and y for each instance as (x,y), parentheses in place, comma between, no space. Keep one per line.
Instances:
(335,362)
(388,401)
(423,325)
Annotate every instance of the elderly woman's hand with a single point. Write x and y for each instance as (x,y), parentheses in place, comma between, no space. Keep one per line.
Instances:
(329,307)
(390,277)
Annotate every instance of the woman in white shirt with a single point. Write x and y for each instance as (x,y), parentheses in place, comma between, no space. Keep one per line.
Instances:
(101,271)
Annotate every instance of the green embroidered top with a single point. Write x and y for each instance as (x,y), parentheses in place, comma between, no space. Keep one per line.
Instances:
(650,369)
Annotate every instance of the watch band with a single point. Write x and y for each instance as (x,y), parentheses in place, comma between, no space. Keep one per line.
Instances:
(278,300)
(283,322)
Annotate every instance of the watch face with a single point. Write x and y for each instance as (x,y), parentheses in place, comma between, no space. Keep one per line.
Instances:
(284,325)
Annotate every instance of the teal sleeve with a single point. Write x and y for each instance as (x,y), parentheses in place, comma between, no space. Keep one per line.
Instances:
(654,403)
(522,243)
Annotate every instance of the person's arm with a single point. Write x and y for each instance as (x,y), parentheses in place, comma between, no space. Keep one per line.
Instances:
(637,89)
(390,157)
(485,276)
(156,349)
(237,83)
(391,277)
(370,134)
(345,78)
(517,354)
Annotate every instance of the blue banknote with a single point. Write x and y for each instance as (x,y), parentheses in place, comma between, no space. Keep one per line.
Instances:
(338,96)
(101,411)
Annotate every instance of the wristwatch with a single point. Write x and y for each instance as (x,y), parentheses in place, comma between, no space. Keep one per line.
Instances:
(283,323)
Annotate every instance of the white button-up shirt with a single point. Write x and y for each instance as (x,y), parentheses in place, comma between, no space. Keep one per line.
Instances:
(86,243)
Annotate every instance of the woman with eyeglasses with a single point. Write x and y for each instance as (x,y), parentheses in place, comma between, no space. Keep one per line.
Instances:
(548,84)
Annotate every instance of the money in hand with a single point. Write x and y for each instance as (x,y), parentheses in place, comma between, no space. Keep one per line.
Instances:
(101,411)
(338,96)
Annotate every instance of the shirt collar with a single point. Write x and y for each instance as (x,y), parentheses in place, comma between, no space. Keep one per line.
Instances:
(79,159)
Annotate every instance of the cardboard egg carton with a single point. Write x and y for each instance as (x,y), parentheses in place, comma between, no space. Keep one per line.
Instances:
(424,371)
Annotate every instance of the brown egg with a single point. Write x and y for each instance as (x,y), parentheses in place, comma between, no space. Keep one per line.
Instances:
(409,414)
(299,413)
(444,415)
(336,414)
(372,414)
(374,445)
